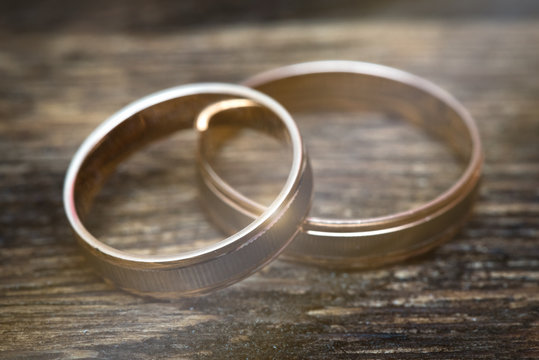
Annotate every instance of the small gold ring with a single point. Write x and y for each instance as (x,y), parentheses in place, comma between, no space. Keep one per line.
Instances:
(214,266)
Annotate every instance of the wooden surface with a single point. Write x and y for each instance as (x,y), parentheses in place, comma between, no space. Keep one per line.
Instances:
(66,66)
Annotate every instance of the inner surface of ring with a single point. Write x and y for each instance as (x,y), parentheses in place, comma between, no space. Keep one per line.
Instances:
(155,190)
(367,162)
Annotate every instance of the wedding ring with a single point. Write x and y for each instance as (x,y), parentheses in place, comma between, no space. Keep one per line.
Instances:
(338,85)
(215,266)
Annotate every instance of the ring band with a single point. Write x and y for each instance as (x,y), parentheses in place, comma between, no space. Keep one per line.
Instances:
(373,241)
(212,267)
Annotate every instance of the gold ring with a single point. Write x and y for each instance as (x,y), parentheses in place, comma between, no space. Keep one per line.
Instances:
(375,241)
(214,266)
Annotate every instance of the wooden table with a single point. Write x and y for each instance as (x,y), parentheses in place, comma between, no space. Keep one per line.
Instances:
(66,66)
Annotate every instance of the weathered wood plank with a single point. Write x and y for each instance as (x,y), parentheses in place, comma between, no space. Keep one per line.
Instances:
(475,297)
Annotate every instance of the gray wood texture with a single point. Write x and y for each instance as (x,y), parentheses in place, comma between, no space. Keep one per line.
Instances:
(66,66)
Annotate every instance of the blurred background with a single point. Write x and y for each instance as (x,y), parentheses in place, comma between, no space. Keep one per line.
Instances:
(140,16)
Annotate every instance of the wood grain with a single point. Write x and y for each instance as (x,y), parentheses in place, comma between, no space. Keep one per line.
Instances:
(63,71)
